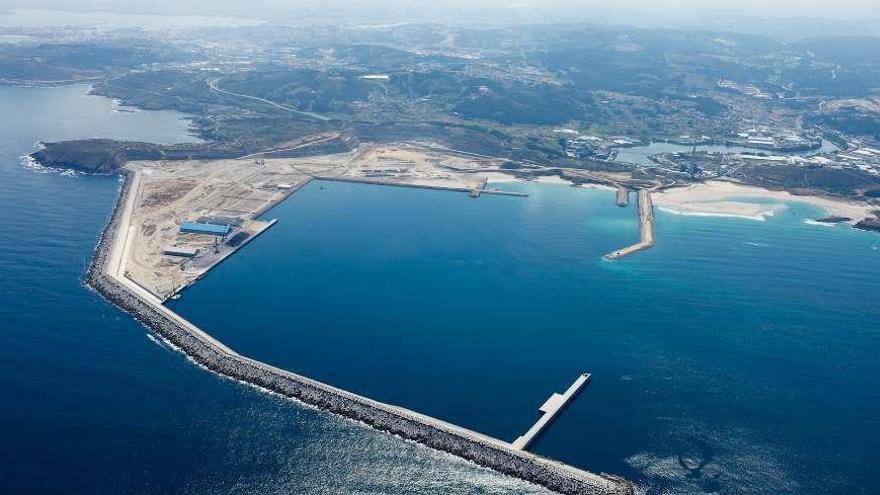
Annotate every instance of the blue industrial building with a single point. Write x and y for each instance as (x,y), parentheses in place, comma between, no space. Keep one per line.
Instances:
(204,228)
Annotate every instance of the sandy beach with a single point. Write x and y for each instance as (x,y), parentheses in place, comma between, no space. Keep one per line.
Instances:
(721,198)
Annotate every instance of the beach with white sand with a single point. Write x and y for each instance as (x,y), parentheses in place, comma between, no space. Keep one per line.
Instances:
(729,199)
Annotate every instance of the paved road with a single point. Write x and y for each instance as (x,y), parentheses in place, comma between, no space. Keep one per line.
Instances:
(214,84)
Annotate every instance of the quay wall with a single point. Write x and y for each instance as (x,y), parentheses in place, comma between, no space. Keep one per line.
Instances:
(385,182)
(204,350)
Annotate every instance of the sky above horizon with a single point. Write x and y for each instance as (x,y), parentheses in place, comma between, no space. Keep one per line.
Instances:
(816,9)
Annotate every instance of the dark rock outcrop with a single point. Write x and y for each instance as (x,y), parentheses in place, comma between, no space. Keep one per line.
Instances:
(107,156)
(869,224)
(834,219)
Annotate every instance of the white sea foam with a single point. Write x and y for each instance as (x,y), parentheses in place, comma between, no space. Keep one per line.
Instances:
(28,162)
(761,217)
(156,341)
(821,224)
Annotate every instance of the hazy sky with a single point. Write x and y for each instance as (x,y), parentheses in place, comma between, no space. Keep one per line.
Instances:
(641,11)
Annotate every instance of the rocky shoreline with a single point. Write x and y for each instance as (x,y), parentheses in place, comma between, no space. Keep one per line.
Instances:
(870,224)
(435,434)
(107,156)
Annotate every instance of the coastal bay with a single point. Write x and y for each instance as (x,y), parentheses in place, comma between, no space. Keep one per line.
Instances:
(438,250)
(452,297)
(646,348)
(98,398)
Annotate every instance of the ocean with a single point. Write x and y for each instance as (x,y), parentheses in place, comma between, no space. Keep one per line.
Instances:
(737,356)
(91,403)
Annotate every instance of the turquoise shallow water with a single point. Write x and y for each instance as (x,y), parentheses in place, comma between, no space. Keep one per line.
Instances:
(736,357)
(89,404)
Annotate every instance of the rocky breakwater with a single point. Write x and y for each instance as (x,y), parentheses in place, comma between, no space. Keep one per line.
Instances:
(646,229)
(204,350)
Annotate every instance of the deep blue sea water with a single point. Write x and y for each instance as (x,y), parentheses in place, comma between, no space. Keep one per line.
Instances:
(89,404)
(737,357)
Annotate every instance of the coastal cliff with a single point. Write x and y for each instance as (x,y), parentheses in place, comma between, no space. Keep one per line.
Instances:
(107,156)
(92,155)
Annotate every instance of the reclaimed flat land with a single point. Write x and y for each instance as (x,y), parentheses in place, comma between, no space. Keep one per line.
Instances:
(239,191)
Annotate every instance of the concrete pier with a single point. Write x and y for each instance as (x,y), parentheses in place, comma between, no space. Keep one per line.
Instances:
(506,193)
(106,275)
(475,192)
(364,180)
(646,228)
(177,290)
(622,196)
(551,408)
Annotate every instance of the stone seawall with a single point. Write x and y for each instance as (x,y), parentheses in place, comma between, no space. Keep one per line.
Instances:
(482,450)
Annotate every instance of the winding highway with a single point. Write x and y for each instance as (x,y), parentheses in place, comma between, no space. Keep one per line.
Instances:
(214,85)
